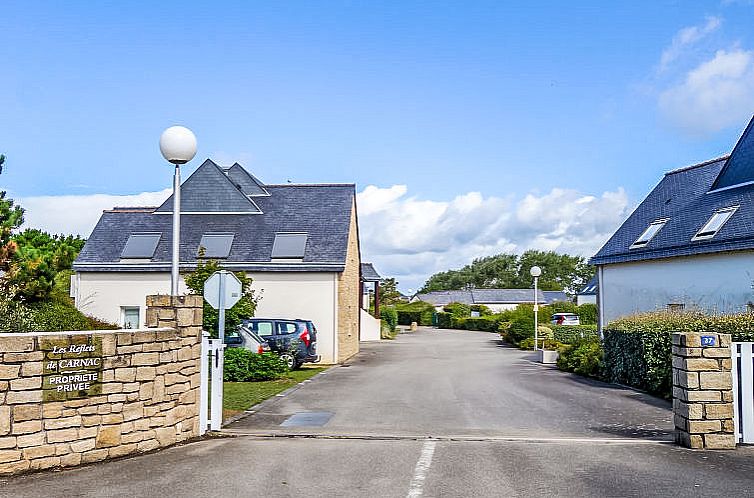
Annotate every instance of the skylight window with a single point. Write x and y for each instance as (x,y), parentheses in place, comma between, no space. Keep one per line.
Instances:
(215,245)
(715,223)
(648,234)
(289,245)
(140,245)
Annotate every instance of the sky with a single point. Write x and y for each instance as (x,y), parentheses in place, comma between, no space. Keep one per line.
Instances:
(469,128)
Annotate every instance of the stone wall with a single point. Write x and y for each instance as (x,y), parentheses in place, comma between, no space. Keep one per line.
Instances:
(702,391)
(80,397)
(349,289)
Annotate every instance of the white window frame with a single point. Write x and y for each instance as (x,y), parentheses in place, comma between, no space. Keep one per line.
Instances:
(123,310)
(705,233)
(639,242)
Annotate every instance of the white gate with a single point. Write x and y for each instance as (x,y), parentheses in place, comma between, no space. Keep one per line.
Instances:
(211,389)
(742,359)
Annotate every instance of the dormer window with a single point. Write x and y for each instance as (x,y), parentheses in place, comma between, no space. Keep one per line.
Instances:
(140,246)
(289,246)
(648,234)
(215,245)
(715,223)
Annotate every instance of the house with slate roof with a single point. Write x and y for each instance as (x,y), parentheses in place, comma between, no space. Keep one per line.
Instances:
(299,243)
(689,245)
(495,299)
(588,293)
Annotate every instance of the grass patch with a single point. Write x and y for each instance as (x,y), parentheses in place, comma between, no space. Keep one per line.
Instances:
(240,396)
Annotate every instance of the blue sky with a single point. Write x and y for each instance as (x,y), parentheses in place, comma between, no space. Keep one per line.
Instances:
(449,99)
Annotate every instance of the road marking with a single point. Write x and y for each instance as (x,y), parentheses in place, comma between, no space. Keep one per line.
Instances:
(420,471)
(453,439)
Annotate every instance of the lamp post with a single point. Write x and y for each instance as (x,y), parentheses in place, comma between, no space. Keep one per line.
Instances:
(535,272)
(178,146)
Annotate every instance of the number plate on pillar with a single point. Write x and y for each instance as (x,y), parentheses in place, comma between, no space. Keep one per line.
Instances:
(709,341)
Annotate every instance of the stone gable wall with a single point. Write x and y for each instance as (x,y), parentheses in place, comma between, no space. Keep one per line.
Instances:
(349,290)
(146,393)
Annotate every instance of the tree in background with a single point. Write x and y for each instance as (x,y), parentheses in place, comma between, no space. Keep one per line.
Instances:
(244,308)
(509,271)
(389,293)
(38,259)
(559,271)
(11,217)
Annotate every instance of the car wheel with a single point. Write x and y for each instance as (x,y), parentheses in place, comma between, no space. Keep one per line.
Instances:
(289,360)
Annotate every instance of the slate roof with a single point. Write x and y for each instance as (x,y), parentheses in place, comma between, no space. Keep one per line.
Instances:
(590,289)
(323,212)
(687,199)
(209,189)
(369,274)
(482,296)
(245,181)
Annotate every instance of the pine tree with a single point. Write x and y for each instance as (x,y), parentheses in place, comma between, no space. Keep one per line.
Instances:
(11,217)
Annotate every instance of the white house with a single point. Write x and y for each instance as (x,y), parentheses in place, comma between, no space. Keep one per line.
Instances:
(298,242)
(689,245)
(588,293)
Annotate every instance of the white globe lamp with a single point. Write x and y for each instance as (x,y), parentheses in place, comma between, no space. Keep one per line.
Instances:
(535,272)
(178,146)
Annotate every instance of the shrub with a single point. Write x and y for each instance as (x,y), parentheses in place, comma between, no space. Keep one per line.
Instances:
(418,311)
(583,357)
(587,314)
(457,322)
(569,334)
(390,317)
(46,317)
(483,323)
(241,365)
(444,320)
(458,309)
(527,343)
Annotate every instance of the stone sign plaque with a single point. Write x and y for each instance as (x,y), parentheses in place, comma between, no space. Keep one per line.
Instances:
(72,367)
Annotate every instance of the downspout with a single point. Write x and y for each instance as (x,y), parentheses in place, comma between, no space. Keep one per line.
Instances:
(600,305)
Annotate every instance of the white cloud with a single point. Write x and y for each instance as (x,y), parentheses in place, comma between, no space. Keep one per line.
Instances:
(410,238)
(716,94)
(407,237)
(77,214)
(685,38)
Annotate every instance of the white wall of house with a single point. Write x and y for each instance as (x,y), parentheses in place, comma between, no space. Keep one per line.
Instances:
(720,283)
(305,295)
(106,294)
(586,299)
(498,307)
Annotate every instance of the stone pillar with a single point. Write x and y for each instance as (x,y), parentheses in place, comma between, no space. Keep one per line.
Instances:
(180,312)
(702,391)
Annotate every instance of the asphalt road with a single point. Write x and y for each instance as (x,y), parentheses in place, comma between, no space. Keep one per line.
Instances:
(433,413)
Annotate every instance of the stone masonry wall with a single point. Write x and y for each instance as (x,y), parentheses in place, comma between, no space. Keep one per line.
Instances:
(348,296)
(702,391)
(79,397)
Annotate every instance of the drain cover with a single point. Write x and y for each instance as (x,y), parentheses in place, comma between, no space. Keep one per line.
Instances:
(307,419)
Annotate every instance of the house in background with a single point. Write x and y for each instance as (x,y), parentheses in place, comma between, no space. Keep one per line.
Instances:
(689,245)
(588,293)
(370,325)
(495,299)
(299,243)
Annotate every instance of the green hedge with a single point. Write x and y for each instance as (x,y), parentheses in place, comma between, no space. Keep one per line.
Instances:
(638,348)
(46,317)
(418,311)
(583,357)
(241,365)
(483,323)
(458,309)
(444,320)
(569,334)
(390,317)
